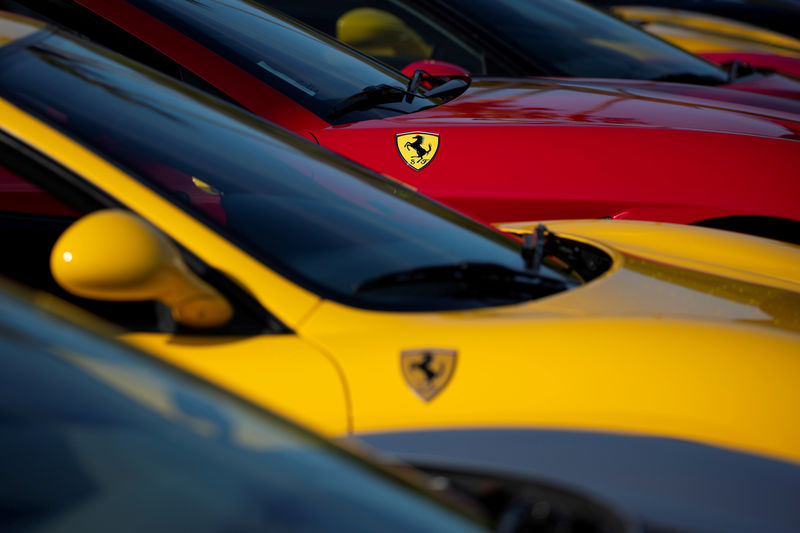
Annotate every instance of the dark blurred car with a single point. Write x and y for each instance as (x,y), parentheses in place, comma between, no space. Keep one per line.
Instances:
(97,436)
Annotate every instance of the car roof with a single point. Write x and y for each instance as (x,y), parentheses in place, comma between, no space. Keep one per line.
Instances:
(15,27)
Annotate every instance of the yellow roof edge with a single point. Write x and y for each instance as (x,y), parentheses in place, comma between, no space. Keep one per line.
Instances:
(14,27)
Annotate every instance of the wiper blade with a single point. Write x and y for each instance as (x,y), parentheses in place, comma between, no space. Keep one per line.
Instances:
(413,84)
(533,249)
(369,97)
(375,95)
(476,277)
(437,86)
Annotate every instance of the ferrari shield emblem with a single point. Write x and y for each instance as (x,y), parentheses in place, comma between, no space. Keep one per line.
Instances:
(428,370)
(417,148)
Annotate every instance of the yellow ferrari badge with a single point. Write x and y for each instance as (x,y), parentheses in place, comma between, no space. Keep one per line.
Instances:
(428,370)
(417,148)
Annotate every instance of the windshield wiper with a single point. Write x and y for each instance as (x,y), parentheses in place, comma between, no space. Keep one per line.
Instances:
(375,95)
(476,278)
(413,84)
(367,98)
(533,249)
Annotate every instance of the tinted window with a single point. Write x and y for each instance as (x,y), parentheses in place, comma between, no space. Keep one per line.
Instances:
(395,32)
(87,24)
(567,38)
(309,68)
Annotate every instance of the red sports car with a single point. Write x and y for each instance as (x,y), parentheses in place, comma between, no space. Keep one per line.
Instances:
(500,150)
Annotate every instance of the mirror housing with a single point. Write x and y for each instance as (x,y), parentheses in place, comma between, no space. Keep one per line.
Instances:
(115,255)
(448,89)
(438,68)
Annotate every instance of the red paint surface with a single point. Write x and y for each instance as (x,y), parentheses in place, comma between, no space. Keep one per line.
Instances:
(436,67)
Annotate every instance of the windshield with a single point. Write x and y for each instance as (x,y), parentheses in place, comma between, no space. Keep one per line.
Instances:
(311,69)
(567,38)
(321,221)
(97,437)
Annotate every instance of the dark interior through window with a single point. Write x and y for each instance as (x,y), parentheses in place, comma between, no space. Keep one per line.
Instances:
(37,205)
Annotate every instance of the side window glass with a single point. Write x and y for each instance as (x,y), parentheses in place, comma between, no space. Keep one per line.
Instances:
(31,221)
(391,31)
(38,202)
(20,197)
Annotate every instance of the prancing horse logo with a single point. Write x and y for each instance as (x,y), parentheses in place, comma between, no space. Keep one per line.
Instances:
(417,148)
(428,370)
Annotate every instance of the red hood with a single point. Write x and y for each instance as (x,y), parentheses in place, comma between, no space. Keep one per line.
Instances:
(618,103)
(530,150)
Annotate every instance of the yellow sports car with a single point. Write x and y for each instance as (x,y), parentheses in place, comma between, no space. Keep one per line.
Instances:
(351,303)
(718,39)
(700,32)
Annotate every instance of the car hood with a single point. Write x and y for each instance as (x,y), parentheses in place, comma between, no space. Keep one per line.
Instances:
(612,102)
(666,271)
(771,91)
(663,344)
(531,150)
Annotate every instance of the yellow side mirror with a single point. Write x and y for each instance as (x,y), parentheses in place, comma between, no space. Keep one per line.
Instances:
(114,255)
(378,32)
